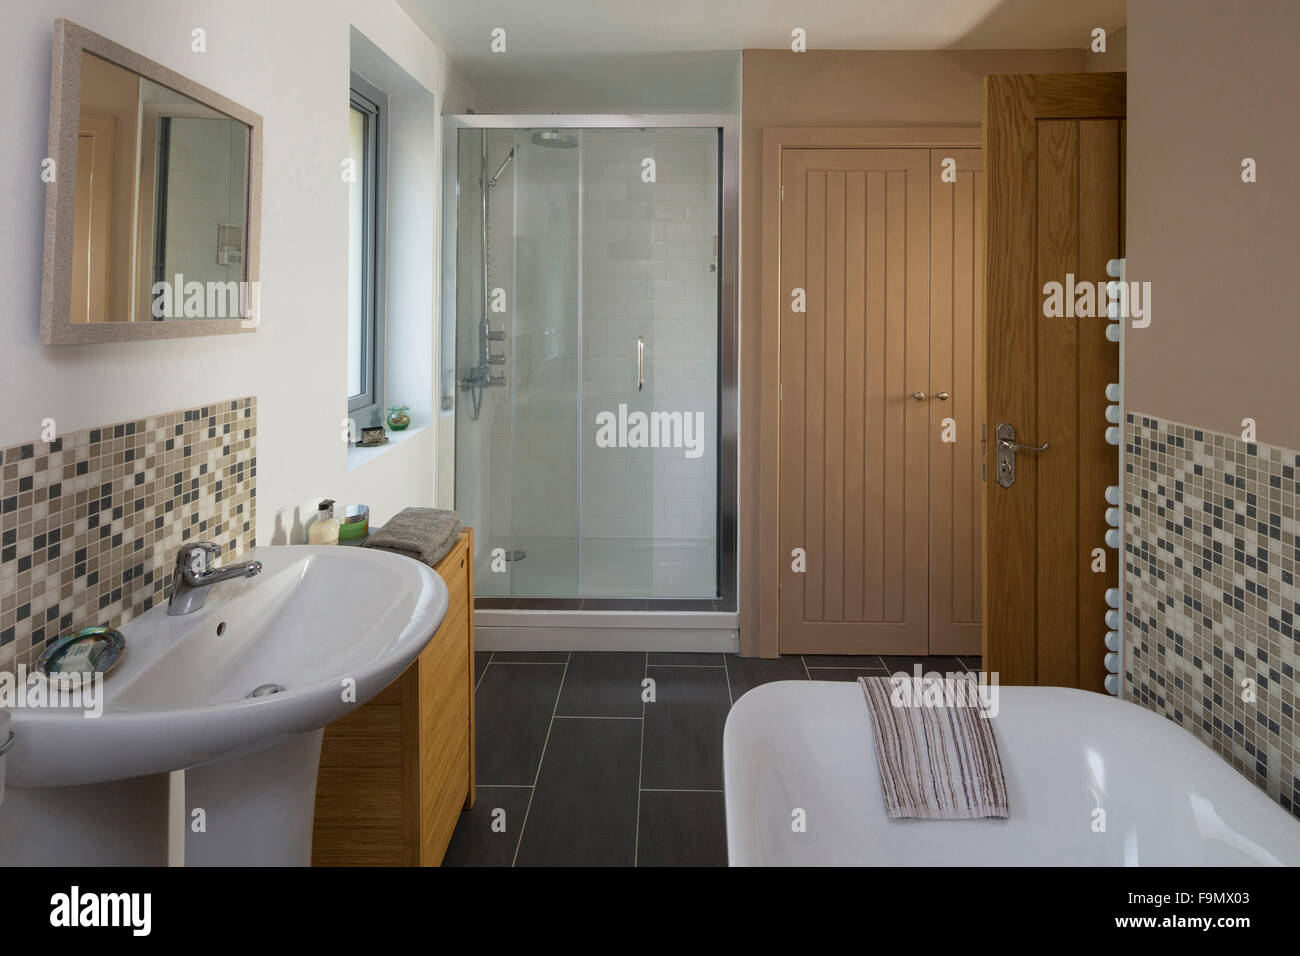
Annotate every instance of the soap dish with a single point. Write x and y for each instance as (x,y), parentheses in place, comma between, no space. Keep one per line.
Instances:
(90,651)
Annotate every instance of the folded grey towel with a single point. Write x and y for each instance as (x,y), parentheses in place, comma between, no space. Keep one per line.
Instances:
(426,534)
(936,753)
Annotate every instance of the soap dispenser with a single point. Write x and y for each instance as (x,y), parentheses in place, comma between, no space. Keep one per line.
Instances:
(325,528)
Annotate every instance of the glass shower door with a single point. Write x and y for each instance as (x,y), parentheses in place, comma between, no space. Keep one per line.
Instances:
(650,363)
(686,364)
(587,354)
(617,347)
(544,342)
(517,356)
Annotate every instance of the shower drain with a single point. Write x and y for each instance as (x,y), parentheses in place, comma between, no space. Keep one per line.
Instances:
(515,555)
(265,690)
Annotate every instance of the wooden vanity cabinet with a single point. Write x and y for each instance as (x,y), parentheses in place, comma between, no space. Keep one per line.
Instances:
(396,773)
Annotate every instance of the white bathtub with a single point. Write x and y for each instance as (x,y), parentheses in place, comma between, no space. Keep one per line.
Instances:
(1169,799)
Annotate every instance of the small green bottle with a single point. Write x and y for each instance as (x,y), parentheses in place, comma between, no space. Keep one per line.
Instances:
(399,418)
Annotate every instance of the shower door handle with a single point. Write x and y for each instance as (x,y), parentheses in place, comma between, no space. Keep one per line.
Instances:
(640,364)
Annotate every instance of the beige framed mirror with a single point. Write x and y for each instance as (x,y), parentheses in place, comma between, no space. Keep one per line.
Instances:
(153,200)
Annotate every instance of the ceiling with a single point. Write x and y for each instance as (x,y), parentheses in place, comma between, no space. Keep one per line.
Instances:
(540,27)
(559,33)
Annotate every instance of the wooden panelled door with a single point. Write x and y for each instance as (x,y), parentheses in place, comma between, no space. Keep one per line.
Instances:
(1054,161)
(879,518)
(957,400)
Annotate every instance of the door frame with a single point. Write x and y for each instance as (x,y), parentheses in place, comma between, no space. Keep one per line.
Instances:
(764,487)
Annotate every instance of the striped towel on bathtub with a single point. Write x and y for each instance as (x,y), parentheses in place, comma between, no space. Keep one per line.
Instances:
(937,755)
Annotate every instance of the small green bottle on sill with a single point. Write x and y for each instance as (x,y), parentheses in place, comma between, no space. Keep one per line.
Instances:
(399,418)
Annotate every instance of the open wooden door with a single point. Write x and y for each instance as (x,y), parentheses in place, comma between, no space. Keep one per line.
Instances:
(1054,168)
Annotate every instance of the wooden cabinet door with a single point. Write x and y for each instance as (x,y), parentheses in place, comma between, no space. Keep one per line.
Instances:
(854,441)
(956,399)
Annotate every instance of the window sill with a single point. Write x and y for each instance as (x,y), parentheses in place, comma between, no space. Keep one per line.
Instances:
(360,456)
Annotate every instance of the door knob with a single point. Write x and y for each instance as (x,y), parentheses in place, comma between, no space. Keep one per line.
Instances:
(942,396)
(919,396)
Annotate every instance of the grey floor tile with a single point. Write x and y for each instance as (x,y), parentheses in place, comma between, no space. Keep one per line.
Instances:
(603,684)
(868,661)
(584,806)
(685,659)
(942,665)
(481,659)
(484,837)
(530,657)
(512,712)
(683,729)
(680,828)
(846,673)
(971,663)
(746,673)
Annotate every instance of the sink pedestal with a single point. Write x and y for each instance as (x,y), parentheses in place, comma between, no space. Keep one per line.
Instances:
(257,809)
(120,823)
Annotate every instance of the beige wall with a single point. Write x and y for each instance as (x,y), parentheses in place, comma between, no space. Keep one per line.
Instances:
(1115,59)
(1208,84)
(838,88)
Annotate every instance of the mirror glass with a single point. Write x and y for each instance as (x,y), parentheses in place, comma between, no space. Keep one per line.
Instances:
(160,228)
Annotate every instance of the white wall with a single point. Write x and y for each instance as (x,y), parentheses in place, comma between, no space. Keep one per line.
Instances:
(288,61)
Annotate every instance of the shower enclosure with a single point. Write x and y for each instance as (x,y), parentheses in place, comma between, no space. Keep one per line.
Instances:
(589,306)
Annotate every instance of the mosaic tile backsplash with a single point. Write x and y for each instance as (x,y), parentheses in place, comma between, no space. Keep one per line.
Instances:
(90,522)
(1211,555)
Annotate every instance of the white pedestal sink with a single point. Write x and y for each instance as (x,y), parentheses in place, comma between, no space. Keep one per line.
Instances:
(332,625)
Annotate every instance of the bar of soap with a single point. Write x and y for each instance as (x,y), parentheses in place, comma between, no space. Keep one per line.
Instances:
(79,659)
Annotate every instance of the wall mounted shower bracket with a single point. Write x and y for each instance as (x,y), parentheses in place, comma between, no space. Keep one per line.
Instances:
(480,376)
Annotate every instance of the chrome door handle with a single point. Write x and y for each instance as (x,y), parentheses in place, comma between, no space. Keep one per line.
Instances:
(1007,446)
(942,396)
(640,364)
(919,396)
(1014,447)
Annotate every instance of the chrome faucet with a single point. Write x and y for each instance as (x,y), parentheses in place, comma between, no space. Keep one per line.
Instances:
(194,574)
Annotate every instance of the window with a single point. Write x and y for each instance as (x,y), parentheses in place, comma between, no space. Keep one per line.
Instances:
(367,201)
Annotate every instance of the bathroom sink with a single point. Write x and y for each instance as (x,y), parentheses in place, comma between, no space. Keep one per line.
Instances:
(321,630)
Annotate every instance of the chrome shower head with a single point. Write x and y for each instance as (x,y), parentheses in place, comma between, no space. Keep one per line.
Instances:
(554,139)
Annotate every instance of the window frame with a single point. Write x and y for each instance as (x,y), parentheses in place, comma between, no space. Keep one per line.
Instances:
(366,407)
